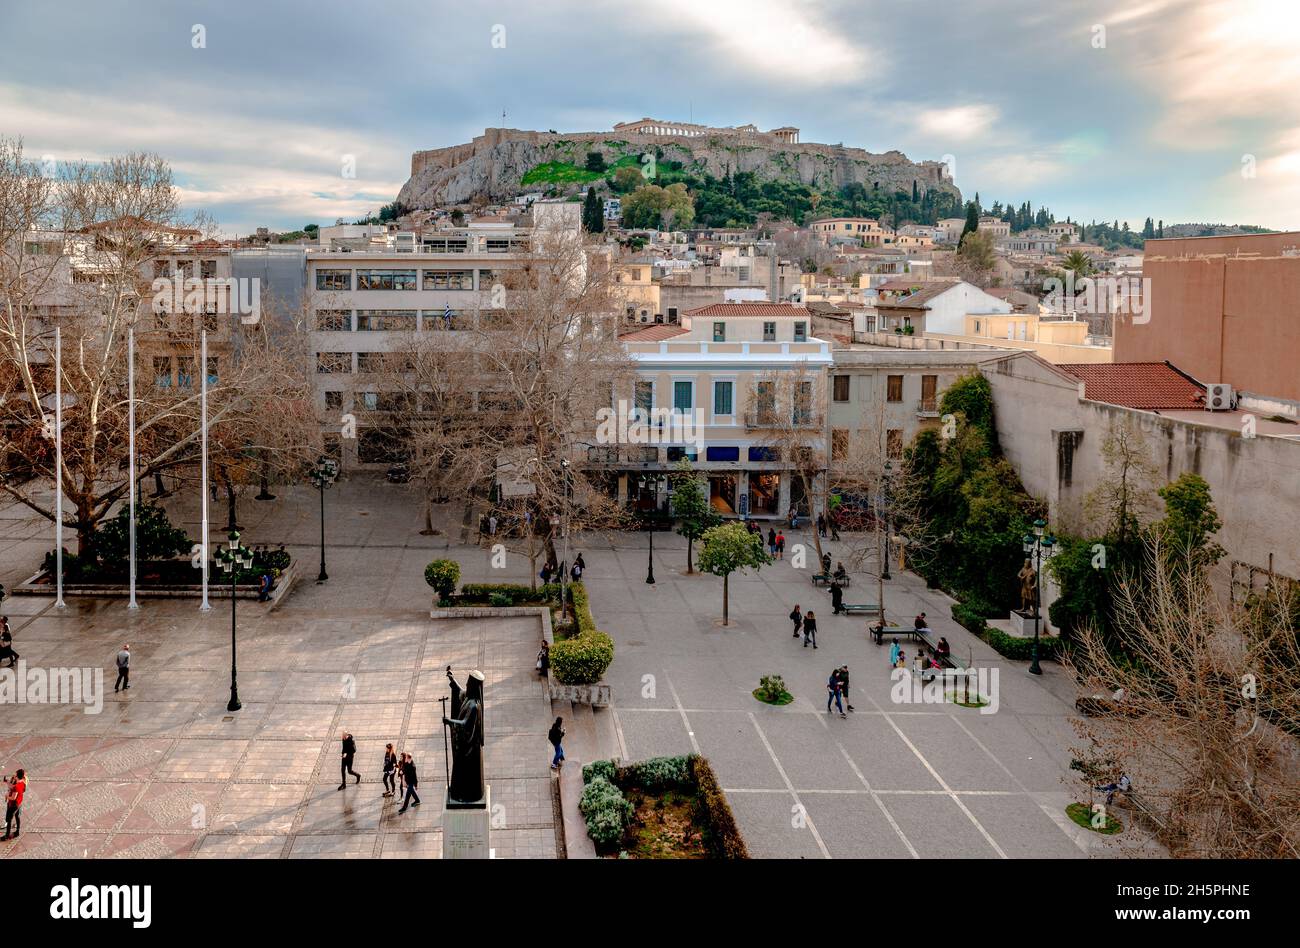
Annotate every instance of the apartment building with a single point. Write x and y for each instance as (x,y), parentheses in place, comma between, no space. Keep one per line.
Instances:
(368,304)
(892,393)
(718,367)
(856,230)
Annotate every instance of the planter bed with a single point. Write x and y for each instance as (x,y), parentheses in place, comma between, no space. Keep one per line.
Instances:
(42,584)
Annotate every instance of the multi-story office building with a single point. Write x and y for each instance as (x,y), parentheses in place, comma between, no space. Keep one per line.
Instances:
(368,304)
(720,366)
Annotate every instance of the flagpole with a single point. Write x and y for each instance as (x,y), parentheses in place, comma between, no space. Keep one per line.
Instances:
(203,487)
(130,384)
(58,467)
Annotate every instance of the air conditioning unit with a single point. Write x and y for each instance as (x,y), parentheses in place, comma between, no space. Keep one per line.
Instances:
(1218,397)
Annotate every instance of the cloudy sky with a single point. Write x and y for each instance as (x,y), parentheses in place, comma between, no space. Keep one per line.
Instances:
(1186,111)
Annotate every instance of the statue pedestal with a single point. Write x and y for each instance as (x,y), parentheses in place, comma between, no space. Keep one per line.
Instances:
(1022,623)
(465,831)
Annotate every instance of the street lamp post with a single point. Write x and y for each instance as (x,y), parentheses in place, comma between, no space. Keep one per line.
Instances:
(323,475)
(232,559)
(1039,545)
(651,482)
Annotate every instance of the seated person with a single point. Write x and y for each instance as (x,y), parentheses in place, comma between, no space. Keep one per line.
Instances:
(840,572)
(921,622)
(1110,789)
(942,649)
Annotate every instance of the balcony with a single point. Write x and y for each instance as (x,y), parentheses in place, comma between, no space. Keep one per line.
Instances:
(928,408)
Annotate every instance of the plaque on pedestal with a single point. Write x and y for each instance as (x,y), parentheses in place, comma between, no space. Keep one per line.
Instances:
(465,829)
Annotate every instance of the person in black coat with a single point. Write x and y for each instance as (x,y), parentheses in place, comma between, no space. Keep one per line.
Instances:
(390,770)
(412,781)
(556,737)
(349,754)
(810,629)
(797,618)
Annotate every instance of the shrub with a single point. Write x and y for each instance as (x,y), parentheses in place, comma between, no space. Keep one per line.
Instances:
(155,537)
(1021,649)
(517,592)
(500,599)
(772,689)
(657,773)
(443,575)
(607,812)
(598,768)
(583,659)
(968,618)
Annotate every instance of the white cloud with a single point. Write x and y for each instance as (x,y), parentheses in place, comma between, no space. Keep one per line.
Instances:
(958,123)
(223,159)
(776,39)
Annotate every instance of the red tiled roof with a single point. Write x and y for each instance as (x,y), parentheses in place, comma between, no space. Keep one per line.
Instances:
(1143,385)
(656,333)
(718,310)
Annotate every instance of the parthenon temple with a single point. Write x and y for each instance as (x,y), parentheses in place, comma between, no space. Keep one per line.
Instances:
(649,126)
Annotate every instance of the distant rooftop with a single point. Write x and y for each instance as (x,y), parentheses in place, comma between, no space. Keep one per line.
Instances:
(719,310)
(1148,386)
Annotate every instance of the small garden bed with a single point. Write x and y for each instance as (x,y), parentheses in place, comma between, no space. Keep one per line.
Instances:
(771,690)
(1081,813)
(661,808)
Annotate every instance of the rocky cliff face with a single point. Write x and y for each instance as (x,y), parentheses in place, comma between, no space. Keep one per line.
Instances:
(494,164)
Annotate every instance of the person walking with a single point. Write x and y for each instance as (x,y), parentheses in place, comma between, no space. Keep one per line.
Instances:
(349,754)
(837,599)
(833,693)
(844,686)
(390,770)
(835,528)
(123,669)
(810,629)
(780,546)
(771,541)
(797,618)
(17,786)
(821,525)
(894,652)
(580,563)
(544,659)
(492,525)
(556,737)
(7,643)
(412,781)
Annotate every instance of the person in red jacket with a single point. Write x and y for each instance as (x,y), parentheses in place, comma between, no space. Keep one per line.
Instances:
(14,804)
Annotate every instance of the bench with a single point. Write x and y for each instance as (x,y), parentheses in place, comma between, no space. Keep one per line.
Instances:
(893,631)
(925,635)
(862,608)
(822,579)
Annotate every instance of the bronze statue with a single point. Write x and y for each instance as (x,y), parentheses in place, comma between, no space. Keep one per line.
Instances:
(466,722)
(1028,577)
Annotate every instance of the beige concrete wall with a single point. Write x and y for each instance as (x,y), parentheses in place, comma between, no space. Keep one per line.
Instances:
(1255,482)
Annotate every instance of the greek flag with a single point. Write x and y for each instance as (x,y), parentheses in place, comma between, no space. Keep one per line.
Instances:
(446,314)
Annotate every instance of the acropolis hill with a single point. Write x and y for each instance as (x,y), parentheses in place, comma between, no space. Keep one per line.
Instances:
(493,165)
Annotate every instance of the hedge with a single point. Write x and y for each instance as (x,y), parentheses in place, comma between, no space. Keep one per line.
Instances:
(583,659)
(608,815)
(1006,645)
(727,841)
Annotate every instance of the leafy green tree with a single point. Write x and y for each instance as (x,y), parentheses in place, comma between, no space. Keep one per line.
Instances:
(977,251)
(596,162)
(727,548)
(653,206)
(443,576)
(1189,523)
(627,179)
(690,504)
